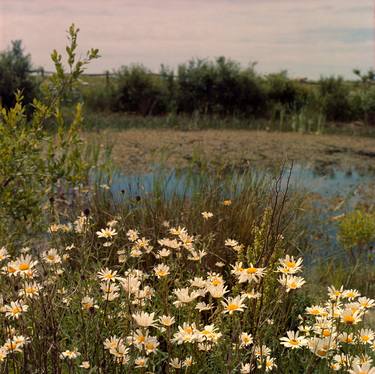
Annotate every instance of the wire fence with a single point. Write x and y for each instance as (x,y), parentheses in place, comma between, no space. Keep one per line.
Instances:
(44,73)
(108,75)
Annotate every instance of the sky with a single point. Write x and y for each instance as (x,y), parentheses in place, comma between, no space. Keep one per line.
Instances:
(309,38)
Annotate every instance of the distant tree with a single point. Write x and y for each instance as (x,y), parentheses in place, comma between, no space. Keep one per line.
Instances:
(15,68)
(363,99)
(365,77)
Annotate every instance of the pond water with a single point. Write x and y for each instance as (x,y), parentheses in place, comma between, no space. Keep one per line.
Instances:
(332,192)
(327,183)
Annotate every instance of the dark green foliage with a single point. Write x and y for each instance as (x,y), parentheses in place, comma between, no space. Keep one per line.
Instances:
(334,93)
(15,69)
(363,99)
(219,87)
(204,87)
(138,91)
(284,91)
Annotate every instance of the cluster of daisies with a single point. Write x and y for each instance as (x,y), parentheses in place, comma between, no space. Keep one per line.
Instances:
(335,331)
(165,304)
(182,321)
(22,280)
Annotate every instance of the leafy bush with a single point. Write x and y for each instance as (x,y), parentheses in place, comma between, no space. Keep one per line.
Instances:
(15,69)
(334,93)
(97,93)
(284,91)
(220,87)
(138,91)
(37,161)
(357,231)
(363,98)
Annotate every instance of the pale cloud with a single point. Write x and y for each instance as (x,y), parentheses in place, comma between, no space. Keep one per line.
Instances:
(306,37)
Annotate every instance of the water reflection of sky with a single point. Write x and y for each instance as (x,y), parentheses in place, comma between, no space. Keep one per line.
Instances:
(327,183)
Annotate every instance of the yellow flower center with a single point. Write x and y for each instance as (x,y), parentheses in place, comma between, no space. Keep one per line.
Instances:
(140,339)
(232,307)
(349,319)
(216,282)
(24,266)
(251,270)
(326,333)
(11,346)
(293,342)
(149,346)
(321,352)
(16,310)
(293,285)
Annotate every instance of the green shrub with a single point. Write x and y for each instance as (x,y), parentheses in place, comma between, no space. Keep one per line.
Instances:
(220,87)
(37,161)
(96,93)
(357,231)
(138,91)
(363,98)
(15,69)
(284,91)
(334,93)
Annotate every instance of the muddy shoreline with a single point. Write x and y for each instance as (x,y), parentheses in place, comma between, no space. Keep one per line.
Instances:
(136,150)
